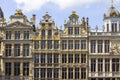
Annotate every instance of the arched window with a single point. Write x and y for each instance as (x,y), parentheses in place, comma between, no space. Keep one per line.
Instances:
(49,33)
(43,34)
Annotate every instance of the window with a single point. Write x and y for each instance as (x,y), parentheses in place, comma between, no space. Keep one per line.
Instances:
(70,44)
(100,65)
(56,58)
(107,27)
(49,73)
(70,31)
(77,58)
(93,46)
(56,44)
(64,58)
(8,34)
(16,68)
(8,49)
(64,73)
(93,65)
(16,49)
(77,74)
(26,68)
(83,73)
(70,73)
(49,34)
(107,65)
(77,30)
(17,34)
(36,73)
(77,44)
(115,65)
(83,58)
(42,34)
(36,44)
(49,59)
(49,44)
(70,58)
(100,46)
(43,61)
(43,44)
(114,27)
(83,44)
(8,68)
(64,44)
(56,73)
(107,46)
(43,73)
(25,49)
(26,34)
(36,58)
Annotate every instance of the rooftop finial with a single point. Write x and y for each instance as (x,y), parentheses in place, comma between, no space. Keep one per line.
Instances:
(112,2)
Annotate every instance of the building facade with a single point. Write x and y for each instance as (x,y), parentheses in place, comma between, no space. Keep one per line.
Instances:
(46,52)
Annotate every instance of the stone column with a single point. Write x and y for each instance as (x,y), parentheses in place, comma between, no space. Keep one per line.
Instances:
(12,71)
(21,69)
(103,46)
(104,66)
(97,65)
(111,66)
(21,49)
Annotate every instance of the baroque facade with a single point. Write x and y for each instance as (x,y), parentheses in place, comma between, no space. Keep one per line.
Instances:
(45,52)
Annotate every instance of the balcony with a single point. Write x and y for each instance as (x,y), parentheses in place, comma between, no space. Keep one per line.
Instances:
(104,74)
(16,78)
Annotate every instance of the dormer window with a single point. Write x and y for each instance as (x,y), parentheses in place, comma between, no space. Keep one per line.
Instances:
(46,20)
(50,24)
(17,34)
(70,31)
(114,27)
(43,25)
(43,34)
(49,33)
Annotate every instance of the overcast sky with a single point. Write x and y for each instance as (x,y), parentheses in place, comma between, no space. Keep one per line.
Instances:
(60,9)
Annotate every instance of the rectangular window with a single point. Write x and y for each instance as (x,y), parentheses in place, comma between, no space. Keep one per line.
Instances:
(64,58)
(107,27)
(16,68)
(26,68)
(8,49)
(70,58)
(36,59)
(77,59)
(100,65)
(70,73)
(56,44)
(83,58)
(70,44)
(83,44)
(25,49)
(70,31)
(36,44)
(77,44)
(8,68)
(56,73)
(107,65)
(107,46)
(16,49)
(64,73)
(49,45)
(77,30)
(83,73)
(100,46)
(93,65)
(77,74)
(49,73)
(43,73)
(93,46)
(17,34)
(26,34)
(36,73)
(115,65)
(49,59)
(43,61)
(43,44)
(114,27)
(64,44)
(8,34)
(56,58)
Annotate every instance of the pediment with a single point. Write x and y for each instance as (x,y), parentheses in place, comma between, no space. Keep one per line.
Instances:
(17,24)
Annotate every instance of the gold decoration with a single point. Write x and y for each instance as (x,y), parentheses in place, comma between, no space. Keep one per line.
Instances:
(73,12)
(18,12)
(115,49)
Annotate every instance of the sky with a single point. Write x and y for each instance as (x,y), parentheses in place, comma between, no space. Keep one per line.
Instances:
(60,9)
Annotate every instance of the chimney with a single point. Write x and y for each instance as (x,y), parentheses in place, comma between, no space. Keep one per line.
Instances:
(34,18)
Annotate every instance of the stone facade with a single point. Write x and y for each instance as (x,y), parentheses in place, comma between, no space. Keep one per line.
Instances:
(45,52)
